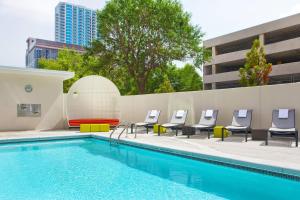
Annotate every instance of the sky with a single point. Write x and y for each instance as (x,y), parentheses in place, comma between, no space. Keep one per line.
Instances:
(20,19)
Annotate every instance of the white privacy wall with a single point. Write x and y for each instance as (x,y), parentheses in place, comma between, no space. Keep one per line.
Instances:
(261,99)
(97,97)
(47,91)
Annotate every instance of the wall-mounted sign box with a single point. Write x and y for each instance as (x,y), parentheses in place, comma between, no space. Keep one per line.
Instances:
(29,110)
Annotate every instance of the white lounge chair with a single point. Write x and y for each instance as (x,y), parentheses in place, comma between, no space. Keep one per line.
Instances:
(283,124)
(241,123)
(207,121)
(151,119)
(177,121)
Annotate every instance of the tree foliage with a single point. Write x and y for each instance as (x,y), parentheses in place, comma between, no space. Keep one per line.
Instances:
(181,79)
(84,65)
(139,41)
(70,60)
(140,36)
(256,70)
(167,79)
(165,86)
(186,79)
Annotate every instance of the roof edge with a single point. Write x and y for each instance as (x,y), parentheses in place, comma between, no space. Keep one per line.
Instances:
(265,27)
(36,72)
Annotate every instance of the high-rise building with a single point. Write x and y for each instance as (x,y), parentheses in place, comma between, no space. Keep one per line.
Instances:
(281,40)
(75,24)
(39,48)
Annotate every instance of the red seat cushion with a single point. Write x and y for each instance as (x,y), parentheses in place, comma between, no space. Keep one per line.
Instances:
(77,122)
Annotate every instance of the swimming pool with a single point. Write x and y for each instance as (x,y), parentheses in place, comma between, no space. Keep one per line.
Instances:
(93,169)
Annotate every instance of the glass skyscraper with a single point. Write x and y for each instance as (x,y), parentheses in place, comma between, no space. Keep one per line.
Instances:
(75,24)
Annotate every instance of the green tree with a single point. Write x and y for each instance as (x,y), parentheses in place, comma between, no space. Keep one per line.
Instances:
(181,79)
(70,60)
(166,79)
(165,86)
(256,70)
(143,35)
(84,65)
(186,79)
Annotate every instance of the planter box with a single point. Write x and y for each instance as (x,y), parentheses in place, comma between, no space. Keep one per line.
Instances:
(218,132)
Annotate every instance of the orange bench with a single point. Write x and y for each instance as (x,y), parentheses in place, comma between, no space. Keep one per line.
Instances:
(77,122)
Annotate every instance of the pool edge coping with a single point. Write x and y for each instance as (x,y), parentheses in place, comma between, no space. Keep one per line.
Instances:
(43,138)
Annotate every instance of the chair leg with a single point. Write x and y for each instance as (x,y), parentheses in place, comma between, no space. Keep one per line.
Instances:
(158,131)
(267,138)
(147,128)
(176,131)
(222,134)
(208,133)
(131,128)
(246,136)
(296,137)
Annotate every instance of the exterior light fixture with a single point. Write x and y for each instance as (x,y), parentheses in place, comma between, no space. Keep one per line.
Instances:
(28,88)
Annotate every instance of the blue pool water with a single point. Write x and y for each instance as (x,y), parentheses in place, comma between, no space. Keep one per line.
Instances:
(90,169)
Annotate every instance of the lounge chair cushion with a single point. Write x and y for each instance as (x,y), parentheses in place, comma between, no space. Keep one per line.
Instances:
(141,124)
(241,121)
(153,113)
(180,113)
(285,130)
(236,127)
(169,125)
(283,123)
(209,113)
(201,126)
(152,117)
(208,121)
(242,113)
(283,114)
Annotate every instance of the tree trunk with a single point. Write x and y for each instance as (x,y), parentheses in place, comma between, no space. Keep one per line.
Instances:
(141,84)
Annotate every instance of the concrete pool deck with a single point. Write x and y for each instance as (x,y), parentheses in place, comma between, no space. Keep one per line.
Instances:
(279,153)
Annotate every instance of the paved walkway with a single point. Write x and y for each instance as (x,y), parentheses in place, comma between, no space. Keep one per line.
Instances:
(280,153)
